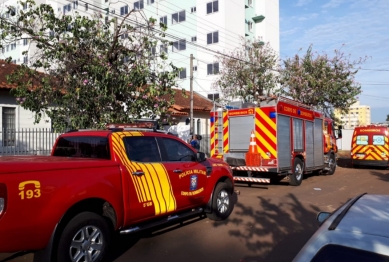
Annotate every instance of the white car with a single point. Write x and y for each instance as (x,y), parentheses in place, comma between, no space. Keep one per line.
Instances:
(357,231)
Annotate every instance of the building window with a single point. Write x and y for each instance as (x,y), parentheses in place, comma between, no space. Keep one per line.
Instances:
(250,2)
(250,26)
(13,46)
(24,6)
(139,5)
(75,4)
(124,10)
(213,69)
(149,2)
(178,17)
(7,48)
(179,45)
(153,50)
(194,38)
(8,128)
(182,74)
(25,59)
(163,49)
(124,36)
(25,40)
(195,68)
(193,9)
(86,7)
(163,20)
(212,7)
(198,126)
(213,37)
(67,8)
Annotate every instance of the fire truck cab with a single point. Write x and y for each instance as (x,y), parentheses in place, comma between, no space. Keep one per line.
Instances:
(274,139)
(370,146)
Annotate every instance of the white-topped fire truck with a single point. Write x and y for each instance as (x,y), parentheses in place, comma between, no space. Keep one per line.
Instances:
(274,139)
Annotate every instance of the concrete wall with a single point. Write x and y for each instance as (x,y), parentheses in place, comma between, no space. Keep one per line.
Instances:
(345,142)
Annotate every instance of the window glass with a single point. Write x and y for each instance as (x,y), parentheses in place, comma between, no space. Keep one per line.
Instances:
(142,149)
(336,253)
(177,151)
(378,140)
(362,140)
(163,20)
(82,146)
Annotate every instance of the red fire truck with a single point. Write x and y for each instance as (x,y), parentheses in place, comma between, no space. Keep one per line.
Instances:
(274,139)
(370,146)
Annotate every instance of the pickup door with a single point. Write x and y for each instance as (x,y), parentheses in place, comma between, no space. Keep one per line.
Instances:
(157,186)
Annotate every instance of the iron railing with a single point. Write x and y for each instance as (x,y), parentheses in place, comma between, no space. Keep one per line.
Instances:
(27,141)
(39,141)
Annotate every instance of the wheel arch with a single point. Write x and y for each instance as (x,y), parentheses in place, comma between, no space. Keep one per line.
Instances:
(223,179)
(95,205)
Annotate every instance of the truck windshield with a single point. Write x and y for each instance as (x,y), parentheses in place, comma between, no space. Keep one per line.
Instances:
(83,146)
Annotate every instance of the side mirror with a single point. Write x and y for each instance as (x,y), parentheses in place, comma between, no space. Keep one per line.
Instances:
(201,157)
(322,216)
(339,132)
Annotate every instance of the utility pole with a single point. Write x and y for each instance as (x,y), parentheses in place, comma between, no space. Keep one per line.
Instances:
(191,96)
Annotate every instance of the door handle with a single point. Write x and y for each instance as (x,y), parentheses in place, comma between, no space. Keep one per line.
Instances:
(177,171)
(138,173)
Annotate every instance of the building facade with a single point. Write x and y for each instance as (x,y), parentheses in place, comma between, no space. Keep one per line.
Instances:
(358,115)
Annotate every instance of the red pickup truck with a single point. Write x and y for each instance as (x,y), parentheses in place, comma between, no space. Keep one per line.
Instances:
(67,206)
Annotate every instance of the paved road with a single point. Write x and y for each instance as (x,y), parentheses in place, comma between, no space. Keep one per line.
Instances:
(269,223)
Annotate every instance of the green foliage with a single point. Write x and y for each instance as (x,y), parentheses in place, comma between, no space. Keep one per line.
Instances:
(93,71)
(248,72)
(321,81)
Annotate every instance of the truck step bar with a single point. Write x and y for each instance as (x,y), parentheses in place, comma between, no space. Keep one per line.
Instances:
(250,168)
(162,221)
(252,179)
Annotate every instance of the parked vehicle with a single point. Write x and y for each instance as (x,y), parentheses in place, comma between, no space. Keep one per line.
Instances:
(370,146)
(357,231)
(67,205)
(279,137)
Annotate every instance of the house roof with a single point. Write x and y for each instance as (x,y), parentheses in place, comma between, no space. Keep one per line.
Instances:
(6,69)
(181,104)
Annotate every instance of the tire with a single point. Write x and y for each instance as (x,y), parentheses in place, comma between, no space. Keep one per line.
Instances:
(78,244)
(296,178)
(331,165)
(221,203)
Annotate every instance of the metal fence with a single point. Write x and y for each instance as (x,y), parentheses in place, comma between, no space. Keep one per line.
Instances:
(39,141)
(28,141)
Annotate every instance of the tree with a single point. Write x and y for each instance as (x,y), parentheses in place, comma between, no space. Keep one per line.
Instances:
(321,81)
(94,70)
(248,72)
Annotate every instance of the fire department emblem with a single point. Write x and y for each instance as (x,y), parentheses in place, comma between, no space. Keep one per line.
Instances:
(193,182)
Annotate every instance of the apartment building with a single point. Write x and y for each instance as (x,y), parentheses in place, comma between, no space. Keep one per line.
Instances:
(358,115)
(202,28)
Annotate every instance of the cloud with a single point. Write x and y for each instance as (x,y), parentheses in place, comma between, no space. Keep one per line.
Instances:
(334,3)
(303,2)
(308,17)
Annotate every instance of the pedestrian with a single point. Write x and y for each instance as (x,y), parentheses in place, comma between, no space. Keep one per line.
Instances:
(195,143)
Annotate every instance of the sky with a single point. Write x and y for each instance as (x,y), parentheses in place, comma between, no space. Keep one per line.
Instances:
(359,28)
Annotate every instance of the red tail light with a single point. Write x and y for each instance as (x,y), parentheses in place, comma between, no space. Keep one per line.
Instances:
(3,199)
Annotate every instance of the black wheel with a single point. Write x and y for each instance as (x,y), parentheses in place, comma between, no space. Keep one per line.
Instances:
(84,239)
(331,165)
(221,203)
(296,178)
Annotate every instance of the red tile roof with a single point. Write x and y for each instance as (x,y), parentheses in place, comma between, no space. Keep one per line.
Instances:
(6,69)
(181,105)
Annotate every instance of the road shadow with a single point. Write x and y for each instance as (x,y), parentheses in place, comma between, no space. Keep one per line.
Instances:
(122,243)
(383,176)
(344,162)
(285,228)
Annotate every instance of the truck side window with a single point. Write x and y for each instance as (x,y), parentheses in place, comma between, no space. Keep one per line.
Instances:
(82,146)
(177,151)
(142,149)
